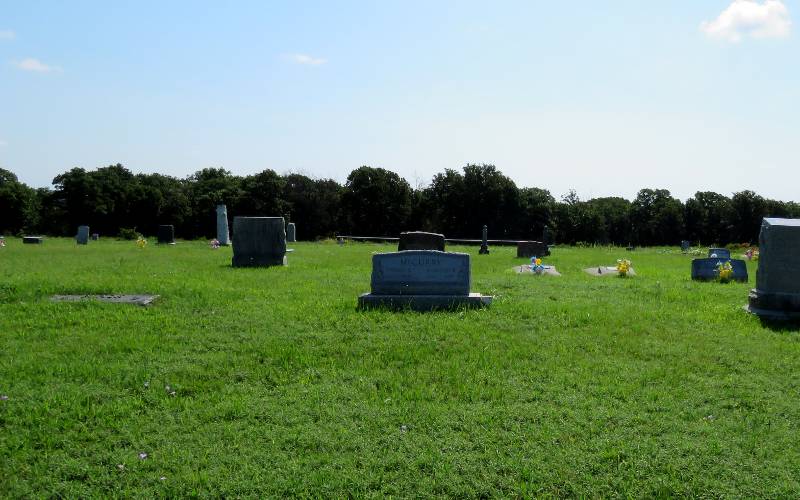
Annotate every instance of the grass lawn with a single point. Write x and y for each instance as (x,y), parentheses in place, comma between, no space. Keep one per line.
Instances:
(565,386)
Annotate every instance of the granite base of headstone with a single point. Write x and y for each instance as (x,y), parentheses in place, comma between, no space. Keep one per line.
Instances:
(259,242)
(528,249)
(706,269)
(223,235)
(777,292)
(166,234)
(719,253)
(291,233)
(83,235)
(32,240)
(419,240)
(422,280)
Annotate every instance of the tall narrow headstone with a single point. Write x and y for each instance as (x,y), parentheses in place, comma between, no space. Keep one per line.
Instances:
(83,235)
(259,242)
(777,292)
(685,246)
(166,234)
(484,242)
(291,237)
(223,235)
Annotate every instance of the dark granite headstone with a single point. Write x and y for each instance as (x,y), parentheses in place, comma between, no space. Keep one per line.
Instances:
(528,249)
(83,235)
(685,246)
(166,235)
(706,269)
(421,280)
(32,240)
(719,253)
(484,241)
(291,233)
(259,242)
(95,236)
(418,240)
(777,292)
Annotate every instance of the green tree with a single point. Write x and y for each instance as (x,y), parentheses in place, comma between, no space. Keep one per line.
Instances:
(376,202)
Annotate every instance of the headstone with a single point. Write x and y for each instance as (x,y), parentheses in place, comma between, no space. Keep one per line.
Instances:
(422,280)
(95,236)
(291,235)
(32,240)
(607,271)
(83,235)
(546,237)
(166,235)
(706,269)
(777,292)
(259,242)
(223,235)
(719,253)
(685,246)
(530,249)
(418,240)
(485,242)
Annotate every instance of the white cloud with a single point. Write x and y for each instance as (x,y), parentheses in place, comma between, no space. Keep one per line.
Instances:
(768,19)
(31,64)
(7,35)
(305,59)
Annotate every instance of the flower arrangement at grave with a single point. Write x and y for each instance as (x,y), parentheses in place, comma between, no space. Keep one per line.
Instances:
(536,265)
(214,243)
(2,242)
(751,253)
(623,266)
(724,271)
(141,242)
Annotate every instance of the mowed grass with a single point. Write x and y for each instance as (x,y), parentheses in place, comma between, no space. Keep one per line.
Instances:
(571,386)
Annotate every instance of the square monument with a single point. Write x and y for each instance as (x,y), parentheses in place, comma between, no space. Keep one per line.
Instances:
(166,235)
(421,280)
(83,235)
(259,242)
(777,292)
(528,249)
(419,240)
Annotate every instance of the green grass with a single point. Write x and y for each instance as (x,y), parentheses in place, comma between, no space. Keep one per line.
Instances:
(570,386)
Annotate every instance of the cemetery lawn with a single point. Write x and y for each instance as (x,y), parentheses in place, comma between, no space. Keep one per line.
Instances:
(268,382)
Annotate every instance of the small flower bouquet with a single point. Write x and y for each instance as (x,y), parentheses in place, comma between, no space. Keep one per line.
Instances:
(724,271)
(623,266)
(214,243)
(751,254)
(141,242)
(536,265)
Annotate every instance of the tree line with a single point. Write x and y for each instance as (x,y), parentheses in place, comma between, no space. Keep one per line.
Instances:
(377,202)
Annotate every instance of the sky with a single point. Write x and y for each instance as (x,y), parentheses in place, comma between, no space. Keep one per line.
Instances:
(604,98)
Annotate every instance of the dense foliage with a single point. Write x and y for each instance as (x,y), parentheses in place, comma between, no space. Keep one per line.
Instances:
(377,202)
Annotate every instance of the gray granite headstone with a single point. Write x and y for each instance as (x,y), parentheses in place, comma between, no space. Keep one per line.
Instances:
(685,245)
(419,240)
(291,233)
(706,269)
(32,240)
(223,235)
(719,253)
(484,241)
(95,236)
(83,235)
(421,280)
(777,292)
(528,249)
(166,234)
(259,242)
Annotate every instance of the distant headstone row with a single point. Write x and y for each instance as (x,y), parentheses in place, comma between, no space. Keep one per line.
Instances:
(223,235)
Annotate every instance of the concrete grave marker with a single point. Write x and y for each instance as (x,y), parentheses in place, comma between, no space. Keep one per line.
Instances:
(777,292)
(259,242)
(139,300)
(83,235)
(419,240)
(291,233)
(422,280)
(223,235)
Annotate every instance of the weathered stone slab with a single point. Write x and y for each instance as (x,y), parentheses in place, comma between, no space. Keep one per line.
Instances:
(83,235)
(259,242)
(419,240)
(777,292)
(607,271)
(548,270)
(140,300)
(32,240)
(528,249)
(166,234)
(291,233)
(223,235)
(706,269)
(719,253)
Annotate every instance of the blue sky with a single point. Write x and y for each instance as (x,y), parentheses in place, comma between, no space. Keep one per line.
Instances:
(601,97)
